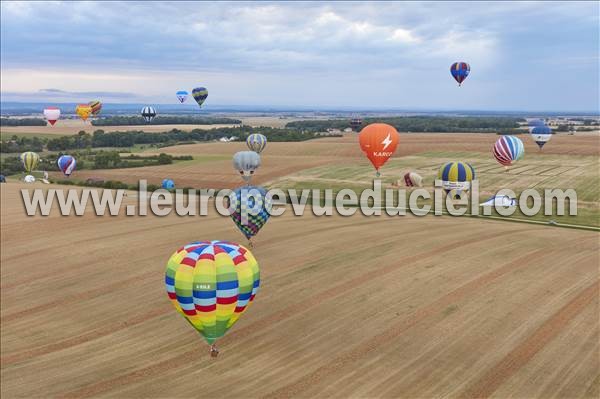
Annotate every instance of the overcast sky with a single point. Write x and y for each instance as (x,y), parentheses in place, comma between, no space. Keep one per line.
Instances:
(523,55)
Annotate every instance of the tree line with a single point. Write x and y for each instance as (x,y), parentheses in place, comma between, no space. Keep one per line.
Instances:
(164,120)
(22,122)
(130,138)
(442,124)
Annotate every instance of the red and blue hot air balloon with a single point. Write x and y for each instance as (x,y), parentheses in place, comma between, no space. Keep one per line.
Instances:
(460,71)
(66,164)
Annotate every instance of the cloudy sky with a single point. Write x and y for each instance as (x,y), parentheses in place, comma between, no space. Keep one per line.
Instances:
(523,55)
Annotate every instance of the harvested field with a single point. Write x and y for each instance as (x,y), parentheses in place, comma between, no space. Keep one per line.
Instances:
(348,307)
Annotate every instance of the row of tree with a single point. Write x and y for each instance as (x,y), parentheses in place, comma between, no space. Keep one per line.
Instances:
(130,138)
(22,122)
(442,124)
(164,120)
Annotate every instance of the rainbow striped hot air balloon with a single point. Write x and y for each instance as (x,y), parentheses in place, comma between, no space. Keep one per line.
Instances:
(211,284)
(30,161)
(508,150)
(256,142)
(456,177)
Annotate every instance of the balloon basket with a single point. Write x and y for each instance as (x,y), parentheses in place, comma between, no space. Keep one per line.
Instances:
(214,352)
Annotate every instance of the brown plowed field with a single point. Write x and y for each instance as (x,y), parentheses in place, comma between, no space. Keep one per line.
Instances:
(400,307)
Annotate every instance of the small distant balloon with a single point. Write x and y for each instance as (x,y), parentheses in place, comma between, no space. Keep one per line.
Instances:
(256,142)
(29,179)
(148,113)
(541,134)
(29,160)
(254,204)
(84,111)
(52,114)
(168,184)
(246,163)
(96,107)
(200,94)
(460,71)
(356,123)
(182,95)
(412,179)
(66,164)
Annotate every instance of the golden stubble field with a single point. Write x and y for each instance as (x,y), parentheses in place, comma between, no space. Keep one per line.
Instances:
(348,307)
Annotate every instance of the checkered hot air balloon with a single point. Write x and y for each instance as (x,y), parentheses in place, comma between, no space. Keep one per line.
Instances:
(256,142)
(460,71)
(251,210)
(211,284)
(66,164)
(508,150)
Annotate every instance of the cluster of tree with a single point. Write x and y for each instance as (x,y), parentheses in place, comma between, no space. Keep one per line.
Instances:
(78,141)
(441,124)
(164,120)
(22,144)
(22,122)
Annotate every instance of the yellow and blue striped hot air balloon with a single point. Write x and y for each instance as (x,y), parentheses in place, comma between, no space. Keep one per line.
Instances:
(256,142)
(29,160)
(456,177)
(211,284)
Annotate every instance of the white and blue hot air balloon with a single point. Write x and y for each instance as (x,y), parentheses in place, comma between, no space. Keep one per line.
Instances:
(182,95)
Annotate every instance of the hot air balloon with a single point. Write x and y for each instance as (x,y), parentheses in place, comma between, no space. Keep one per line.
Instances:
(535,122)
(256,142)
(66,164)
(200,94)
(211,284)
(460,71)
(30,161)
(29,179)
(256,218)
(507,150)
(456,177)
(168,184)
(412,179)
(96,107)
(356,123)
(378,141)
(541,134)
(148,113)
(182,95)
(2,179)
(84,111)
(246,163)
(52,114)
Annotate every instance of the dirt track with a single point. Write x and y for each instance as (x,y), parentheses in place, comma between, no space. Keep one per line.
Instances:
(348,307)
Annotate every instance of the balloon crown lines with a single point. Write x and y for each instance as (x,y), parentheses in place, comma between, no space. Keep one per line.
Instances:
(247,203)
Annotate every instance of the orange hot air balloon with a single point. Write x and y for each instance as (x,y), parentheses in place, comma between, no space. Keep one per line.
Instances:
(378,141)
